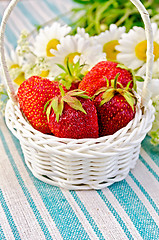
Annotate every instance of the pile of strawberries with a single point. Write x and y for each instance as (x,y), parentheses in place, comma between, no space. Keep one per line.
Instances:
(98,105)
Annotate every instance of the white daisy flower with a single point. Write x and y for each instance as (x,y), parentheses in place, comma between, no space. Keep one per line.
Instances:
(109,40)
(133,47)
(37,66)
(155,73)
(82,33)
(15,63)
(48,38)
(154,87)
(75,48)
(14,60)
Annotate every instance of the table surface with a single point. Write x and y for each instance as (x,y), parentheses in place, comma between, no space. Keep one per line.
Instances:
(31,209)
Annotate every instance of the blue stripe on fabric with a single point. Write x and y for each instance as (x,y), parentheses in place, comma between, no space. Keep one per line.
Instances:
(58,207)
(115,214)
(27,13)
(149,168)
(56,10)
(9,217)
(10,34)
(61,212)
(25,190)
(86,213)
(152,151)
(2,236)
(144,192)
(136,210)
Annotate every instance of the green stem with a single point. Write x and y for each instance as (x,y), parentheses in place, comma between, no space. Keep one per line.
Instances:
(91,13)
(99,12)
(125,16)
(3,93)
(89,27)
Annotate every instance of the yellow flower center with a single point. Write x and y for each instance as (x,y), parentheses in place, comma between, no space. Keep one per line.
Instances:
(20,79)
(52,44)
(109,49)
(44,73)
(71,56)
(141,48)
(14,66)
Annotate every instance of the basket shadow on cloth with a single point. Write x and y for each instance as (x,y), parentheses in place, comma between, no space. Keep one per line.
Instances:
(77,164)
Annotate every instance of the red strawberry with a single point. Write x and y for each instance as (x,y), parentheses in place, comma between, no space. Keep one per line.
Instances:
(96,77)
(33,95)
(71,117)
(115,109)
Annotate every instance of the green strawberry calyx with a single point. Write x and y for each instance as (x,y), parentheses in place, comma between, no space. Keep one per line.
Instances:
(111,90)
(71,73)
(57,103)
(134,77)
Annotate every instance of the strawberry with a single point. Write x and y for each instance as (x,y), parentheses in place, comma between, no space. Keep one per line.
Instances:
(71,75)
(33,94)
(96,77)
(72,116)
(115,108)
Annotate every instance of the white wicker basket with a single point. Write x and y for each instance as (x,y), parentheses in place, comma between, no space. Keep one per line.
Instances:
(82,163)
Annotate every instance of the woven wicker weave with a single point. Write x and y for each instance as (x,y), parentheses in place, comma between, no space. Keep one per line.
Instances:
(82,163)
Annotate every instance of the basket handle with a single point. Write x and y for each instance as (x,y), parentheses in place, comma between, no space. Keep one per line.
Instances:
(146,94)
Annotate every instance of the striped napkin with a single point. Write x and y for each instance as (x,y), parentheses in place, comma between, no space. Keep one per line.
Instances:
(33,210)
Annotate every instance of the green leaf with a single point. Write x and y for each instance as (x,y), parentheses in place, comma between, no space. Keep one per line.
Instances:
(122,66)
(77,66)
(72,73)
(107,82)
(68,67)
(120,84)
(84,96)
(61,66)
(71,67)
(57,105)
(54,104)
(134,79)
(74,103)
(103,89)
(115,80)
(60,109)
(120,90)
(46,105)
(66,83)
(38,27)
(48,112)
(132,73)
(61,90)
(107,96)
(78,93)
(128,85)
(129,99)
(139,79)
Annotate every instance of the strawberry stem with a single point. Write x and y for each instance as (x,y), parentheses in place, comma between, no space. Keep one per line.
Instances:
(61,90)
(115,80)
(109,92)
(68,67)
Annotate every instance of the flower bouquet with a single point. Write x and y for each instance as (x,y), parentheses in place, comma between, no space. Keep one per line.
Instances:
(74,103)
